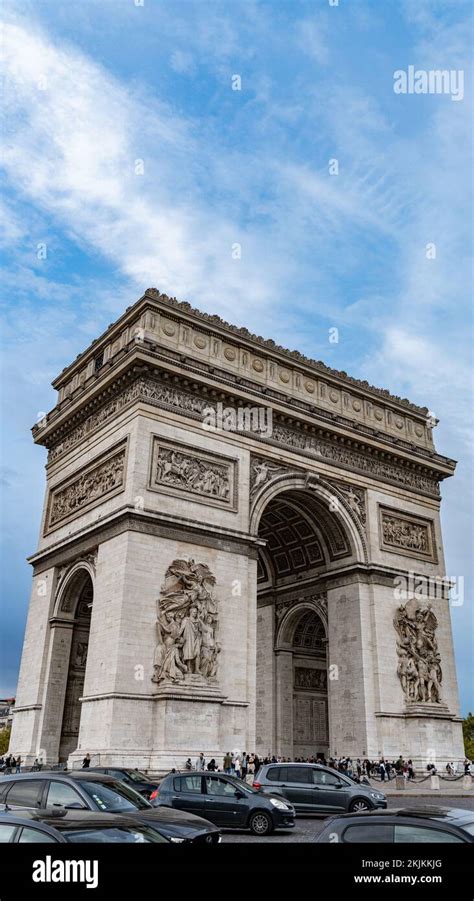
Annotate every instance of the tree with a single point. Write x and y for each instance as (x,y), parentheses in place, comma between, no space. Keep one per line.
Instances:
(468,733)
(4,740)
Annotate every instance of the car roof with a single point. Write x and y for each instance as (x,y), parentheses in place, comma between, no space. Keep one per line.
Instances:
(61,819)
(454,815)
(293,763)
(58,774)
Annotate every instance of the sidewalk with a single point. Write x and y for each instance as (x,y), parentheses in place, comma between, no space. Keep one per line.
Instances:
(423,788)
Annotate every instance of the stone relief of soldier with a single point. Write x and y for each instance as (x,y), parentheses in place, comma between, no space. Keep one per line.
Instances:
(404,534)
(182,471)
(186,625)
(419,662)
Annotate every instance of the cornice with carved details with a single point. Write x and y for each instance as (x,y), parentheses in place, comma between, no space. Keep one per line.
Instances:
(306,441)
(69,416)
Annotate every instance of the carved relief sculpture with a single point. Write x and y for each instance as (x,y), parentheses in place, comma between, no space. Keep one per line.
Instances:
(307,678)
(187,648)
(419,662)
(202,475)
(90,487)
(262,471)
(407,535)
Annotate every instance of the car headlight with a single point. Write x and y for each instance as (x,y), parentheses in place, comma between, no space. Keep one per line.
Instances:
(377,795)
(177,841)
(280,805)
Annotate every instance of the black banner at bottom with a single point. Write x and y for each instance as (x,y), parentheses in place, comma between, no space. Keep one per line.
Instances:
(100,870)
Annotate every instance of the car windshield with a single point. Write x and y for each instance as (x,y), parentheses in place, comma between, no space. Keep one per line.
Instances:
(114,796)
(241,786)
(128,834)
(136,776)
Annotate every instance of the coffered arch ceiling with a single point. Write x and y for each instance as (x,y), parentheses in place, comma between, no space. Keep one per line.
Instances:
(301,534)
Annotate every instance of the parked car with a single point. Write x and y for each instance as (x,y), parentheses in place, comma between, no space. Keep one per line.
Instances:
(73,826)
(313,788)
(134,778)
(421,825)
(83,790)
(225,801)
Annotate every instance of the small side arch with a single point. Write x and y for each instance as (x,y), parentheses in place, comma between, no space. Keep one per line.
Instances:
(73,583)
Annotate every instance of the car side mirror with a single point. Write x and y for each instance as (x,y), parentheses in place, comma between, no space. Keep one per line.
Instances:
(75,805)
(239,794)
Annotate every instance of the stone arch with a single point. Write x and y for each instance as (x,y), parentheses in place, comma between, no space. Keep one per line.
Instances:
(69,640)
(70,587)
(323,494)
(289,621)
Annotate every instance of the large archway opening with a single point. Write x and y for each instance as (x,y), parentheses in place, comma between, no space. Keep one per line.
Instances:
(76,602)
(306,541)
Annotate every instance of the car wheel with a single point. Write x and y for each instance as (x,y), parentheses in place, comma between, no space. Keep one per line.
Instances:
(260,823)
(358,805)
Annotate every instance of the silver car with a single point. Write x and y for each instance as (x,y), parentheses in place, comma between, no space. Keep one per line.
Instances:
(313,788)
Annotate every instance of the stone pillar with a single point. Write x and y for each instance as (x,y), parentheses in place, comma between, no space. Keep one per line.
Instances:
(265,705)
(55,689)
(350,671)
(26,737)
(284,703)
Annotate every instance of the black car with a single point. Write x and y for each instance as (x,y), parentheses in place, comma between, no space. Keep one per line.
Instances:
(74,827)
(225,801)
(421,825)
(82,790)
(134,778)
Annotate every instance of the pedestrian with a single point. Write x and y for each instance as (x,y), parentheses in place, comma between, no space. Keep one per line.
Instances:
(18,764)
(86,762)
(228,763)
(245,765)
(237,766)
(188,765)
(411,771)
(212,767)
(8,761)
(201,762)
(382,770)
(256,764)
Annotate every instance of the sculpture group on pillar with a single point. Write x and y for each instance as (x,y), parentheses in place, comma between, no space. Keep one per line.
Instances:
(186,625)
(419,662)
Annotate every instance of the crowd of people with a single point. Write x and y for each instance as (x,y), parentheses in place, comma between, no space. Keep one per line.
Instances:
(244,766)
(10,762)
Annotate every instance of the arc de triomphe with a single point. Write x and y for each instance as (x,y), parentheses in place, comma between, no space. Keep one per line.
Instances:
(227,534)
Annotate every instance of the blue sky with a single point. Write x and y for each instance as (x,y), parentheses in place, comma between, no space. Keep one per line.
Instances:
(91,88)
